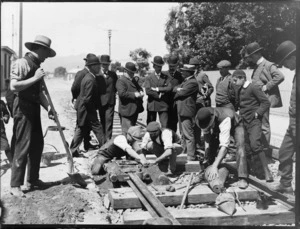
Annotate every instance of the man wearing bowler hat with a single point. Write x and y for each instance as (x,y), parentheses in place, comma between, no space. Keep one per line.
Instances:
(185,97)
(157,86)
(27,140)
(267,77)
(175,79)
(108,98)
(286,56)
(205,88)
(75,89)
(86,107)
(130,97)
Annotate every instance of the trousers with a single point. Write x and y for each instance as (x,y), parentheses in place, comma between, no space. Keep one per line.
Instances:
(107,119)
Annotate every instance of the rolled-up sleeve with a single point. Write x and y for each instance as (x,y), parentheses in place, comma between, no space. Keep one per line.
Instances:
(121,142)
(19,69)
(145,140)
(224,135)
(166,137)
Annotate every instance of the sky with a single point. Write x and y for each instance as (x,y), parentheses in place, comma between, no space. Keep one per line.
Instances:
(77,28)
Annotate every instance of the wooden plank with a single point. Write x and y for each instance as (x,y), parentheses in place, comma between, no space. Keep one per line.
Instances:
(181,158)
(122,198)
(192,166)
(275,214)
(151,198)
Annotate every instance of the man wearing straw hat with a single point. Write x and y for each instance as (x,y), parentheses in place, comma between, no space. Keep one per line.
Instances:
(27,140)
(86,107)
(286,56)
(130,98)
(267,77)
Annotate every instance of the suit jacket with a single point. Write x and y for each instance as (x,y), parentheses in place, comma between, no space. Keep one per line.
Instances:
(87,102)
(109,95)
(266,73)
(158,101)
(202,79)
(75,89)
(129,105)
(186,98)
(175,80)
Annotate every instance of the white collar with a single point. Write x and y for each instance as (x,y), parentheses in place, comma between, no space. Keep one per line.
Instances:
(260,60)
(246,84)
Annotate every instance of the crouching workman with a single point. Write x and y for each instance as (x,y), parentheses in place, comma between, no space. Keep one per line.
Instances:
(217,125)
(118,147)
(165,144)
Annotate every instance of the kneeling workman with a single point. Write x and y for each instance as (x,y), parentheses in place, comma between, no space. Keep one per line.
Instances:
(118,147)
(165,144)
(217,125)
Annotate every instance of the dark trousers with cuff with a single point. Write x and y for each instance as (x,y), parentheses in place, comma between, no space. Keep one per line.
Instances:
(107,119)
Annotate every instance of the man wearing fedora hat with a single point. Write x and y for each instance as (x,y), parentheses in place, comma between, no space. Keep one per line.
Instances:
(86,106)
(185,97)
(157,86)
(75,89)
(27,141)
(175,79)
(267,77)
(218,124)
(130,97)
(286,56)
(203,97)
(108,98)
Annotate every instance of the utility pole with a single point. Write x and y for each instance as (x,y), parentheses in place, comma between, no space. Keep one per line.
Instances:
(109,37)
(21,31)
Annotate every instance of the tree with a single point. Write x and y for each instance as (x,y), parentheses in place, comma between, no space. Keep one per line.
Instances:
(141,56)
(60,72)
(214,31)
(116,66)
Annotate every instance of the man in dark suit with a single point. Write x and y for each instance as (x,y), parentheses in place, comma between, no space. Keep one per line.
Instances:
(175,79)
(185,97)
(267,77)
(158,86)
(75,89)
(108,99)
(86,106)
(130,98)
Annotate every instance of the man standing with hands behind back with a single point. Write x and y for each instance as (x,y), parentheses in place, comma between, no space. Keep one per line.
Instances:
(27,140)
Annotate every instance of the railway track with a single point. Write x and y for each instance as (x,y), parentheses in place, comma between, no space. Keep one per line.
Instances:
(280,211)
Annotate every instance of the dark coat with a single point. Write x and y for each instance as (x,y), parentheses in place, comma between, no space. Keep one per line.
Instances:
(129,105)
(266,73)
(175,80)
(75,89)
(202,79)
(186,98)
(109,95)
(156,103)
(88,100)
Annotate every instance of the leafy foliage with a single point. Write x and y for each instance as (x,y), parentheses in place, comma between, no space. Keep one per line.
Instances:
(60,72)
(140,57)
(214,31)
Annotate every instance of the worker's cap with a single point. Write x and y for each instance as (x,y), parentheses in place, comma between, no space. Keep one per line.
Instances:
(239,74)
(136,132)
(224,64)
(153,127)
(205,118)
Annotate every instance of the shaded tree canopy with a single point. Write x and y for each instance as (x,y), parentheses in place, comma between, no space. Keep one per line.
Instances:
(140,57)
(214,31)
(60,72)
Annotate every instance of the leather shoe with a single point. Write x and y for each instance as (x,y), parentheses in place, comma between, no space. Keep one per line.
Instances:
(38,184)
(91,147)
(242,183)
(282,189)
(16,191)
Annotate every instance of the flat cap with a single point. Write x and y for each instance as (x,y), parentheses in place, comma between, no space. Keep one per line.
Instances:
(239,73)
(224,64)
(136,132)
(153,127)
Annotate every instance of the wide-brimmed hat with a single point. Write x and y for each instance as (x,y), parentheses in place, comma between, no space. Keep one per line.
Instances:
(129,66)
(194,61)
(41,41)
(158,60)
(88,56)
(188,68)
(224,64)
(284,50)
(251,49)
(205,118)
(92,60)
(173,60)
(105,59)
(153,127)
(136,132)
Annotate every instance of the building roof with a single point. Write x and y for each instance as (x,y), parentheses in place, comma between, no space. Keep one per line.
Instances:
(8,49)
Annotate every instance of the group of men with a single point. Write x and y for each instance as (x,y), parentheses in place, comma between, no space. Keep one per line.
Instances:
(177,96)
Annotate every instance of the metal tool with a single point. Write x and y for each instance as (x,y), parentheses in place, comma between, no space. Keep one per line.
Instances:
(75,177)
(186,191)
